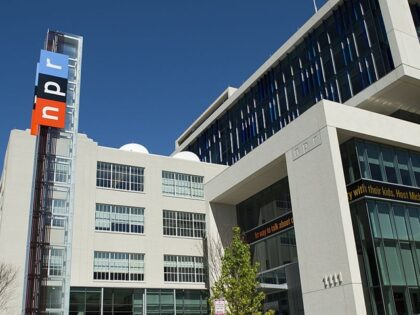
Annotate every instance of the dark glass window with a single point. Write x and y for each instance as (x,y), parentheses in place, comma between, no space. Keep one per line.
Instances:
(415,13)
(380,162)
(403,167)
(388,156)
(264,206)
(373,155)
(385,226)
(275,251)
(85,301)
(415,160)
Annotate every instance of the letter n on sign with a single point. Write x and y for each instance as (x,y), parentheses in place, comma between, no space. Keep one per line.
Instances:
(48,113)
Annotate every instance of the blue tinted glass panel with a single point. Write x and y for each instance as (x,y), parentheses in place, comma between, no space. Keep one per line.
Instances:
(344,54)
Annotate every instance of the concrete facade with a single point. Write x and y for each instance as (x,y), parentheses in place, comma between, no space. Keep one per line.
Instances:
(16,203)
(152,243)
(307,151)
(318,193)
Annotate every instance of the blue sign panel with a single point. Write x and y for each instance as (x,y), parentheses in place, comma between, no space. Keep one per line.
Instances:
(54,64)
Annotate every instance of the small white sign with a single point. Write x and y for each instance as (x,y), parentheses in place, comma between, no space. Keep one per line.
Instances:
(220,307)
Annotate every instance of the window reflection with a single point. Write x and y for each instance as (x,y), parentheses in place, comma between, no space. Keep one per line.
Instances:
(380,162)
(275,251)
(264,206)
(343,55)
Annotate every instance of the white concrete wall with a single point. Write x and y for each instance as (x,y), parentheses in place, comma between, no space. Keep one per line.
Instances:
(153,244)
(401,32)
(14,219)
(221,218)
(323,229)
(16,203)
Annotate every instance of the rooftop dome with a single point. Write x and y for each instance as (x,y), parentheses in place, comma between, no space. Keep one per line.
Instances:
(134,147)
(186,155)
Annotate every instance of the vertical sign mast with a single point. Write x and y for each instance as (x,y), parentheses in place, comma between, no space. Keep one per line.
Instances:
(55,122)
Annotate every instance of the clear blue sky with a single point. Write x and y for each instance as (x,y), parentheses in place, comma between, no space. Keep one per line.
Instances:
(149,67)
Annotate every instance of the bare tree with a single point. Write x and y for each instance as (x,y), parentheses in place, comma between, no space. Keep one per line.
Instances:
(7,281)
(213,253)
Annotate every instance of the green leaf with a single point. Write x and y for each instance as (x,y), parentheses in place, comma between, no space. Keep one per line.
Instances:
(238,283)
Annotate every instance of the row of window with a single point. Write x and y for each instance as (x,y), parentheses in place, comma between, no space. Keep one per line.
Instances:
(369,160)
(124,301)
(394,221)
(130,267)
(125,219)
(387,236)
(131,178)
(347,52)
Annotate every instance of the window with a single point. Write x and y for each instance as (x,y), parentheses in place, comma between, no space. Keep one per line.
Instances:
(403,166)
(388,157)
(119,219)
(183,269)
(185,224)
(395,271)
(415,160)
(380,162)
(56,262)
(59,212)
(182,185)
(117,176)
(59,171)
(118,266)
(373,153)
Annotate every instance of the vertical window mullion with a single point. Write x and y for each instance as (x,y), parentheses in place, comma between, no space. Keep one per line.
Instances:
(176,224)
(129,178)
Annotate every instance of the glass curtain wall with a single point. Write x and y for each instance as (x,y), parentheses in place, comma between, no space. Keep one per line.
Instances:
(388,243)
(387,231)
(120,301)
(346,53)
(276,253)
(379,162)
(264,206)
(415,12)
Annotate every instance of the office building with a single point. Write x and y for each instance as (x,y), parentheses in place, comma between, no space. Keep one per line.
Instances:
(316,157)
(138,229)
(322,147)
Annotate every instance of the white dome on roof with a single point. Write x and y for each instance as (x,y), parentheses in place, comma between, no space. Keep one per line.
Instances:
(186,155)
(134,147)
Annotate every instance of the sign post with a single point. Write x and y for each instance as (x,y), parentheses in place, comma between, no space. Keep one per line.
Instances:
(220,307)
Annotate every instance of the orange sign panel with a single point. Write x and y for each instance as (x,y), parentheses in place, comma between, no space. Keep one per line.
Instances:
(48,113)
